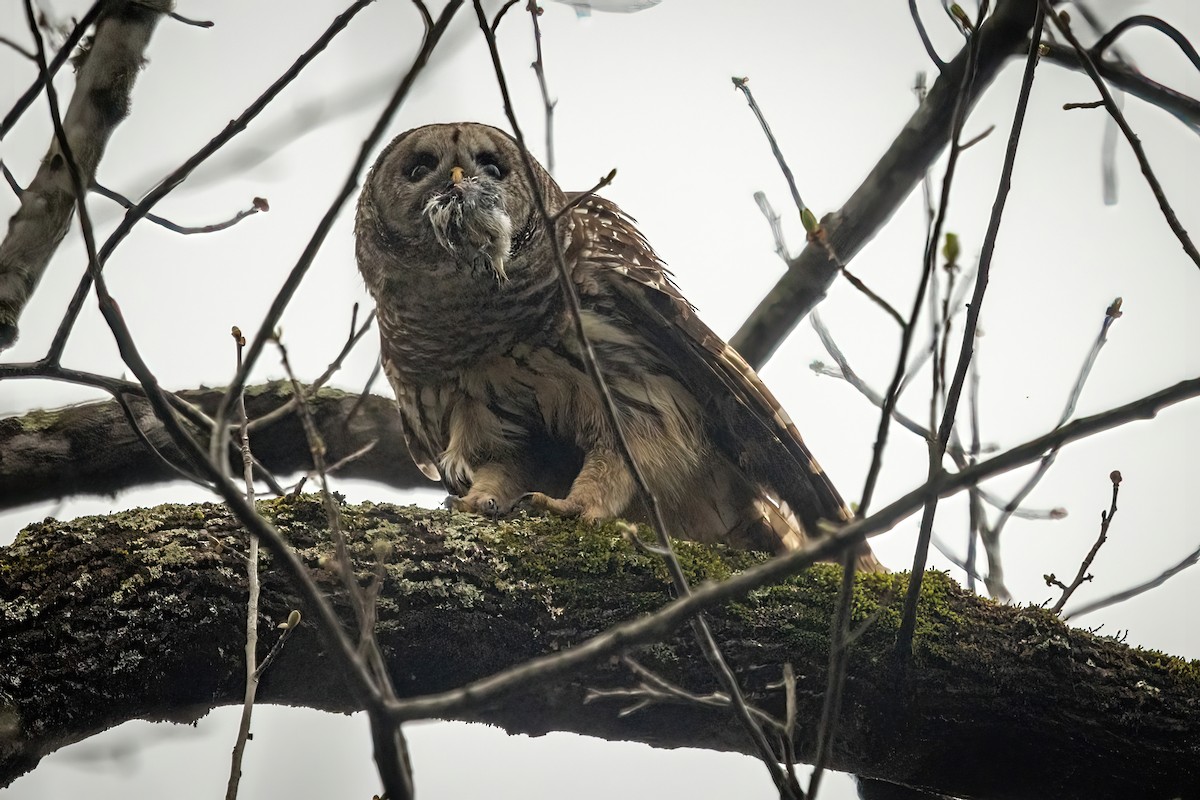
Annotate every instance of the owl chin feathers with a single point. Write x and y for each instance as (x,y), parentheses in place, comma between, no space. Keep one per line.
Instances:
(469,220)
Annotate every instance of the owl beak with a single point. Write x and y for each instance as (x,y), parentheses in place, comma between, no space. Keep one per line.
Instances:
(456,175)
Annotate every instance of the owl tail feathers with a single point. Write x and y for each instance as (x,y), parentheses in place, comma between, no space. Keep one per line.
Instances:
(790,535)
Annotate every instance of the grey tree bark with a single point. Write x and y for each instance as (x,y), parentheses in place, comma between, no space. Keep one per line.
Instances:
(93,449)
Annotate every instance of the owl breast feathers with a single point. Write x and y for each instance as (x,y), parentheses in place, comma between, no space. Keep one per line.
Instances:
(480,347)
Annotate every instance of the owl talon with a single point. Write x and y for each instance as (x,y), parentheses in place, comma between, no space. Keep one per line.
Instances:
(482,504)
(552,505)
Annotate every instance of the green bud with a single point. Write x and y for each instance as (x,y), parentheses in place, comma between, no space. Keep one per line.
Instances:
(951,249)
(809,220)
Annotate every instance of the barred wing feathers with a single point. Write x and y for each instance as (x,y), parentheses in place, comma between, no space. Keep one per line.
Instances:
(744,420)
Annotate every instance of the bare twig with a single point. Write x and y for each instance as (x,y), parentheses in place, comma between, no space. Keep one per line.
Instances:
(500,14)
(11,180)
(1135,144)
(656,689)
(197,23)
(391,749)
(539,69)
(977,517)
(356,335)
(286,628)
(836,679)
(256,205)
(921,90)
(848,374)
(582,197)
(956,306)
(903,648)
(962,563)
(925,41)
(774,221)
(265,331)
(136,427)
(1190,560)
(809,220)
(873,297)
(1145,20)
(366,390)
(743,85)
(1184,108)
(977,138)
(426,17)
(350,458)
(789,721)
(4,40)
(991,535)
(1082,575)
(891,180)
(252,593)
(1091,104)
(893,393)
(168,184)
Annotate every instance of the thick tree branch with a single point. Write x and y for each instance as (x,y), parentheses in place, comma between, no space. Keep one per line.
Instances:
(91,449)
(101,100)
(140,614)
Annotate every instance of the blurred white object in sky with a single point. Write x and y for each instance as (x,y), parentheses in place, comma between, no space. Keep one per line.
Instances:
(584,8)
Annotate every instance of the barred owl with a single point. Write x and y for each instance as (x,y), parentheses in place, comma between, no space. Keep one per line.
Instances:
(481,350)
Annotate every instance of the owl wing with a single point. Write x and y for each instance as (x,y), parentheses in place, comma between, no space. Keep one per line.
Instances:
(744,420)
(415,439)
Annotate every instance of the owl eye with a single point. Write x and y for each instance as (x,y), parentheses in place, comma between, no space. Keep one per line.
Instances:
(489,164)
(420,166)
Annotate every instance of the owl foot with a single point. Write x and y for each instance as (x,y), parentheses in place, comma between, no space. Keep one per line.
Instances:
(565,507)
(481,503)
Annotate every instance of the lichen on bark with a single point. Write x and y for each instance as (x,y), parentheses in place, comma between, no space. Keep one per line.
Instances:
(141,614)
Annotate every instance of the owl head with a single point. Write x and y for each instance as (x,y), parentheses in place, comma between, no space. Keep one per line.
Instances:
(454,196)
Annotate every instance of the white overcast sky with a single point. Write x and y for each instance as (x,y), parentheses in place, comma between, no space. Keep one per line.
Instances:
(649,93)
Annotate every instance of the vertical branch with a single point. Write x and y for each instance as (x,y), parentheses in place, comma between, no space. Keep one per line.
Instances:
(252,587)
(836,679)
(704,637)
(937,449)
(741,84)
(976,515)
(391,748)
(539,68)
(1106,518)
(961,105)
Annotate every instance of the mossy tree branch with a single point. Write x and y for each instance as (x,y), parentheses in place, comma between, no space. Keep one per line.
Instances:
(139,614)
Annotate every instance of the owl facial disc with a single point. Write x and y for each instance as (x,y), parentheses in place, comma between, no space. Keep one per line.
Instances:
(469,220)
